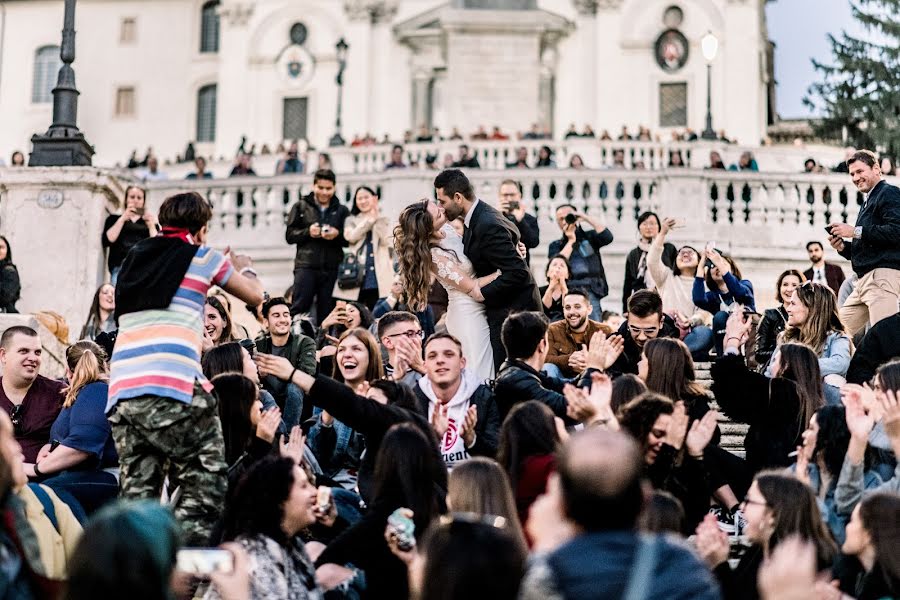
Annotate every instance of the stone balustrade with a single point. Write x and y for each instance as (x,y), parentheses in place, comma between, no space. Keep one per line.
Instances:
(495,155)
(762,219)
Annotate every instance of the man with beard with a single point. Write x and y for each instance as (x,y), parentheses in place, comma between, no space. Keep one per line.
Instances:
(31,400)
(299,349)
(569,338)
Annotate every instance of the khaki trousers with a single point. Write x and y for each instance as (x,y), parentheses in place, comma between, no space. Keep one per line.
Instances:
(874,298)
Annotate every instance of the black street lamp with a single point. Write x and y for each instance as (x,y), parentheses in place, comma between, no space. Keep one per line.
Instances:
(63,145)
(709,45)
(341,53)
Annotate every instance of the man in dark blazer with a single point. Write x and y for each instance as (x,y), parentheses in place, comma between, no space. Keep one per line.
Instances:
(489,242)
(821,271)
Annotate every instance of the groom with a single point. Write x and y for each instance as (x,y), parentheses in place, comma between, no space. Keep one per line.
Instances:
(490,243)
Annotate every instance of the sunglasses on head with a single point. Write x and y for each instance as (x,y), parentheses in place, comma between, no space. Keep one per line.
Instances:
(15,416)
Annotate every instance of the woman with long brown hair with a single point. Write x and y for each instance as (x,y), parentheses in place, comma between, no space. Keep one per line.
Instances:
(427,246)
(777,409)
(775,320)
(813,320)
(873,537)
(81,458)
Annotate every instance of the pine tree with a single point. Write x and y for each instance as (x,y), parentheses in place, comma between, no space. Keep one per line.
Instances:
(859,94)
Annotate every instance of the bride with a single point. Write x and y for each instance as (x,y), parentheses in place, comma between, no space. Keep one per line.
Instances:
(426,245)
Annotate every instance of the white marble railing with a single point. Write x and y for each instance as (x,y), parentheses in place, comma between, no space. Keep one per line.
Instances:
(763,219)
(495,155)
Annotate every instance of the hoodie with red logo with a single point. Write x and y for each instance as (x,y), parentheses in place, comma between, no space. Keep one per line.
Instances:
(453,449)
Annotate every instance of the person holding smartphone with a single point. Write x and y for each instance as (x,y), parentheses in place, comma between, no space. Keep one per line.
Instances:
(122,232)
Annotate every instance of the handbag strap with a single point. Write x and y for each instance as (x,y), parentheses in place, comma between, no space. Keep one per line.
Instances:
(642,568)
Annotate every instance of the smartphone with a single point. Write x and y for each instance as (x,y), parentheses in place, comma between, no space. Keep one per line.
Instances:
(139,211)
(750,312)
(205,561)
(402,527)
(828,230)
(340,304)
(249,346)
(323,499)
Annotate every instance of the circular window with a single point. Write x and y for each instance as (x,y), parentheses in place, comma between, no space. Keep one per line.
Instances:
(673,17)
(298,33)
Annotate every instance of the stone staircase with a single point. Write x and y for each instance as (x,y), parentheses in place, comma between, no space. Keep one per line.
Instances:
(732,433)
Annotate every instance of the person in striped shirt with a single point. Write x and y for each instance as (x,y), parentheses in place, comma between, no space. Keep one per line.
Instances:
(163,413)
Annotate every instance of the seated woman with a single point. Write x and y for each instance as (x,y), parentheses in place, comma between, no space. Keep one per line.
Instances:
(274,501)
(776,409)
(336,445)
(872,538)
(775,320)
(248,432)
(675,285)
(777,506)
(101,315)
(81,458)
(404,478)
(217,324)
(813,320)
(661,428)
(819,462)
(726,290)
(552,293)
(529,439)
(232,357)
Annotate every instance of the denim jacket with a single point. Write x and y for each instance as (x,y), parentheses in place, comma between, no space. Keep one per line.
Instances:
(338,448)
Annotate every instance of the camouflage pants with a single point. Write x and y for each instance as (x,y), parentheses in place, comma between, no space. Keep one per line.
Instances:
(157,436)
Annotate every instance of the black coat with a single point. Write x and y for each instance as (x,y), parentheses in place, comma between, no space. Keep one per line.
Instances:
(880,222)
(770,407)
(487,428)
(372,419)
(878,346)
(10,288)
(529,231)
(518,382)
(316,253)
(770,327)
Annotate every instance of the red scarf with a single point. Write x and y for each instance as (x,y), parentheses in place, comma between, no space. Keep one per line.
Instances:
(178,232)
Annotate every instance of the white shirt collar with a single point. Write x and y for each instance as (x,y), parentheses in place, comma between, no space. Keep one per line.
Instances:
(468,218)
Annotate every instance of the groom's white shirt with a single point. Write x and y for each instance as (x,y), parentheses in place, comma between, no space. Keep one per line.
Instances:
(468,218)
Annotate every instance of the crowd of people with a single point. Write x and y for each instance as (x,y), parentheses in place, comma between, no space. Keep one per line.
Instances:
(414,418)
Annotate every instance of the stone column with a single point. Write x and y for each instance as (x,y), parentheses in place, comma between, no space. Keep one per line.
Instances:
(586,43)
(233,90)
(421,80)
(380,56)
(53,218)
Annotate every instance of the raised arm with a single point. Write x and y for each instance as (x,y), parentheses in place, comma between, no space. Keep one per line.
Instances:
(356,228)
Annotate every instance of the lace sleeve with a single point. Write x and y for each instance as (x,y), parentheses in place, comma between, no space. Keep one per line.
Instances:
(446,267)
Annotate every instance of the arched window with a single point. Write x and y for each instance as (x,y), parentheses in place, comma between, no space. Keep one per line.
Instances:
(46,68)
(209,27)
(206,113)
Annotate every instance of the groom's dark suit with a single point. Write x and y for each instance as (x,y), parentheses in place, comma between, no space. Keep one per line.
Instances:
(490,244)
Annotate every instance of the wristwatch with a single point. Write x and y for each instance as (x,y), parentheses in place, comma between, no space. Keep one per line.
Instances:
(857,232)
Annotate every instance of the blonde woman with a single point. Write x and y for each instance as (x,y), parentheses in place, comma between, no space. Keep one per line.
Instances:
(813,320)
(427,245)
(81,458)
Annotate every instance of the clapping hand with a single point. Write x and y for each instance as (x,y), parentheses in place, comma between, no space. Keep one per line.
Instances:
(712,542)
(859,422)
(701,433)
(677,426)
(790,572)
(293,447)
(440,421)
(467,429)
(277,366)
(268,423)
(604,351)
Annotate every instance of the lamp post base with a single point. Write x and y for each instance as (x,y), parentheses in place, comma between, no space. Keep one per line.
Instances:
(336,140)
(709,134)
(51,151)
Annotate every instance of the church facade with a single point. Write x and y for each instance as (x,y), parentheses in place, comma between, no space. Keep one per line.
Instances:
(162,73)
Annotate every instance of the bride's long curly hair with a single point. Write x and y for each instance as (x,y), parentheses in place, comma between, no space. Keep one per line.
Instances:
(412,243)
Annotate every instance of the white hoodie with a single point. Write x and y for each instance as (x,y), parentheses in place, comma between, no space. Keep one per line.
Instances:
(453,449)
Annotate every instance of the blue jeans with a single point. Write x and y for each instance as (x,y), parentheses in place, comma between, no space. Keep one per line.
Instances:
(596,310)
(699,341)
(92,489)
(114,275)
(552,370)
(719,320)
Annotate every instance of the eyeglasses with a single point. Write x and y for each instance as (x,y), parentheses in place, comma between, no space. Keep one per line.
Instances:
(747,501)
(472,518)
(16,417)
(649,331)
(411,334)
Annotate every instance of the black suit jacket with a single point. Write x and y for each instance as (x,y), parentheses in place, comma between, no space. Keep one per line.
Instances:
(490,243)
(834,276)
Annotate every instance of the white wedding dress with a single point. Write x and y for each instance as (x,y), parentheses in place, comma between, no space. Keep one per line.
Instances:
(466,318)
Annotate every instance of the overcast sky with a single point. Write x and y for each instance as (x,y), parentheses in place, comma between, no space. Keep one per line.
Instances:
(799,29)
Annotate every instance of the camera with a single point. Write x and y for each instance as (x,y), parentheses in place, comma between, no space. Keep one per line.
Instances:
(571,219)
(514,205)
